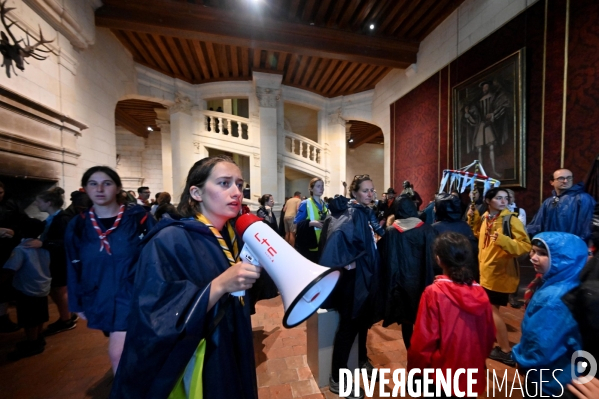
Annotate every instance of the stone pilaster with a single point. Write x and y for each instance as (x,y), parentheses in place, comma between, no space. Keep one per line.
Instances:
(268,92)
(167,155)
(337,149)
(181,131)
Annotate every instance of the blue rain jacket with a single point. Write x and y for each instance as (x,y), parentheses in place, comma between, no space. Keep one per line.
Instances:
(569,212)
(100,284)
(550,335)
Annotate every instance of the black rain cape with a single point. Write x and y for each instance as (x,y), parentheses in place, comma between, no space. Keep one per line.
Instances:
(346,237)
(169,318)
(407,265)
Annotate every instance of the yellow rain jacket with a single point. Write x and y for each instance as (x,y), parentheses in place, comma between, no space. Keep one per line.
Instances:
(497,261)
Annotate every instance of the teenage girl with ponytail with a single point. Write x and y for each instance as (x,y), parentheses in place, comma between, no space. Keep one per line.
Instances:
(188,336)
(102,247)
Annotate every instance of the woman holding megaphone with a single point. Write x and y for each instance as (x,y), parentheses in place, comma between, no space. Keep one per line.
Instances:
(187,336)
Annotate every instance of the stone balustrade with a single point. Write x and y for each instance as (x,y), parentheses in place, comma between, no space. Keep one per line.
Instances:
(226,124)
(302,148)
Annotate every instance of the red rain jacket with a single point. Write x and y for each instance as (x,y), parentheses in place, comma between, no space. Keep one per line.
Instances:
(454,329)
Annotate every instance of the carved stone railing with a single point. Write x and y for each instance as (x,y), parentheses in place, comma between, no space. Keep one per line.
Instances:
(226,124)
(305,149)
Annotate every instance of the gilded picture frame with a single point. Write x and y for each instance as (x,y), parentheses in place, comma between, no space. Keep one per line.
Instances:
(489,111)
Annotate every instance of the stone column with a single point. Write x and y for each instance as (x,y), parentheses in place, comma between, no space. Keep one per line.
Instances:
(167,156)
(181,143)
(336,154)
(268,92)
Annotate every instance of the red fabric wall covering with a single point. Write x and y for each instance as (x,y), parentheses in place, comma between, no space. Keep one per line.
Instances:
(554,91)
(446,157)
(582,106)
(416,135)
(415,122)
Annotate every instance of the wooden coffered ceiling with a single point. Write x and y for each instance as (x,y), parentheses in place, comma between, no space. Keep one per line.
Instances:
(136,116)
(323,46)
(363,132)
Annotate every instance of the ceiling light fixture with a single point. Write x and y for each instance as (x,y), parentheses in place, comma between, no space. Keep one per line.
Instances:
(371,26)
(150,129)
(351,140)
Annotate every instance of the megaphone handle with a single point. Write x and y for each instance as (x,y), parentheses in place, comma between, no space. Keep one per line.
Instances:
(246,256)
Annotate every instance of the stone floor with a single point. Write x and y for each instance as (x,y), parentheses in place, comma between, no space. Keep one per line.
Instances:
(75,363)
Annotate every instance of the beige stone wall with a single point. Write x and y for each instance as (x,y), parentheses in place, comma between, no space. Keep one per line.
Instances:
(366,159)
(84,84)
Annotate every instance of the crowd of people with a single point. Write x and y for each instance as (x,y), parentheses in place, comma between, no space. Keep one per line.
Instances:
(175,330)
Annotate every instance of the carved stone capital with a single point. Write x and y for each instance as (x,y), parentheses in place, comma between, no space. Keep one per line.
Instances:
(256,159)
(164,126)
(182,104)
(267,97)
(280,166)
(327,181)
(196,146)
(335,118)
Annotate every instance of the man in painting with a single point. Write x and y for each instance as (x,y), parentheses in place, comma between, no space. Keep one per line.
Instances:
(487,118)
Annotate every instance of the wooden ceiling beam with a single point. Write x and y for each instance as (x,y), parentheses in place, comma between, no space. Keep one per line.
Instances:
(212,58)
(323,7)
(156,55)
(122,118)
(234,61)
(332,22)
(281,61)
(348,13)
(245,62)
(391,15)
(293,9)
(178,58)
(221,53)
(202,60)
(451,7)
(195,71)
(325,78)
(308,11)
(358,22)
(415,19)
(169,59)
(345,80)
(191,21)
(406,14)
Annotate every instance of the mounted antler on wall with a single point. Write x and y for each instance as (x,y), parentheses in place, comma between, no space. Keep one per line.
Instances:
(16,52)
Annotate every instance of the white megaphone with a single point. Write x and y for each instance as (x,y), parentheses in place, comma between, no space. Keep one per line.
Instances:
(303,285)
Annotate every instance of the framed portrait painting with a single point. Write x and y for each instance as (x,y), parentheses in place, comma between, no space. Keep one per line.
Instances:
(489,120)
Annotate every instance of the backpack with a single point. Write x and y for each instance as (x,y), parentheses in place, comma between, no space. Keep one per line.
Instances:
(507,230)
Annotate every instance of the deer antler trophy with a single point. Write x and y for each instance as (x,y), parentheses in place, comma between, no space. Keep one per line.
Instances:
(16,52)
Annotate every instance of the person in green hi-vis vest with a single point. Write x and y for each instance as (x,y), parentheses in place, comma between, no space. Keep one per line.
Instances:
(309,219)
(188,337)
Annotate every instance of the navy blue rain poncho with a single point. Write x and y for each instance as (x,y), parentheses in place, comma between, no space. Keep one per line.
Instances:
(347,238)
(100,284)
(169,317)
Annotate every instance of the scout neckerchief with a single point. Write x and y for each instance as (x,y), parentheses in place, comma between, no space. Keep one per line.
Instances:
(231,255)
(104,235)
(489,230)
(191,385)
